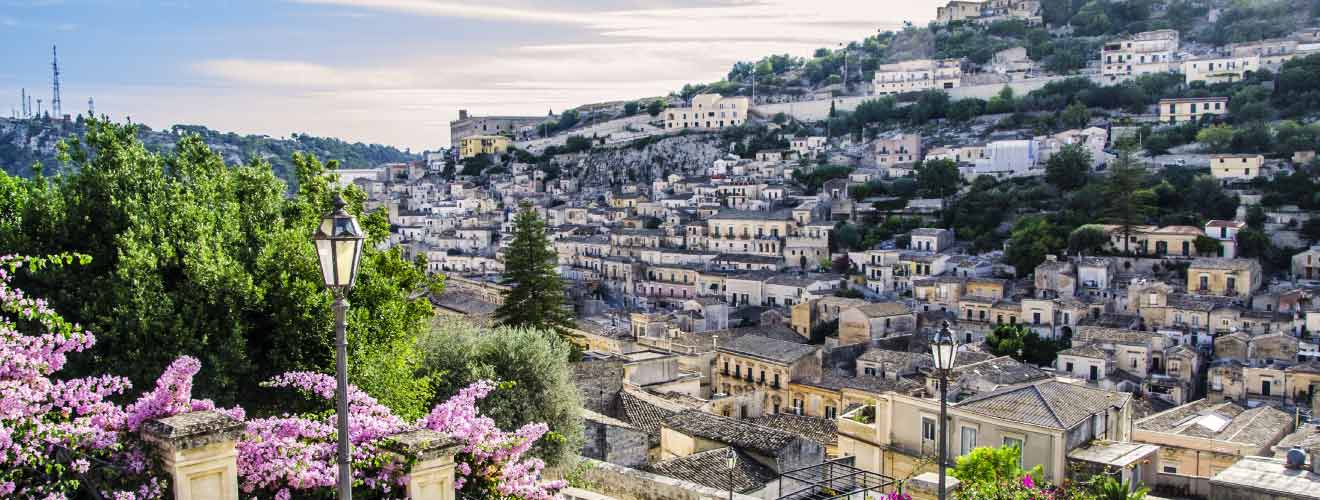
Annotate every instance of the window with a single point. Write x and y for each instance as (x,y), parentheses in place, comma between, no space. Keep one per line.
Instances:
(1069,367)
(830,412)
(968,441)
(737,371)
(1170,469)
(868,370)
(797,406)
(927,429)
(1012,441)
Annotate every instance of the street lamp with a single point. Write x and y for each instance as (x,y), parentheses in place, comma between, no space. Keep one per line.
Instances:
(731,459)
(339,247)
(944,349)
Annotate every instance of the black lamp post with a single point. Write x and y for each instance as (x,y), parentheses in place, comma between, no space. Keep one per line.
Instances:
(944,349)
(339,248)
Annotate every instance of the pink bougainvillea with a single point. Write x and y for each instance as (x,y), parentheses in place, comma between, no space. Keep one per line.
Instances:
(52,432)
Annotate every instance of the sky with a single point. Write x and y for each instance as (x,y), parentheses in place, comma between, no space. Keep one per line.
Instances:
(397,71)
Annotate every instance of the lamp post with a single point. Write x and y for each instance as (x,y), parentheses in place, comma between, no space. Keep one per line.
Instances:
(944,349)
(339,247)
(731,459)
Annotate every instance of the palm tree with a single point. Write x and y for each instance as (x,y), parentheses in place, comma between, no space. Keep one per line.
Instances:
(1108,488)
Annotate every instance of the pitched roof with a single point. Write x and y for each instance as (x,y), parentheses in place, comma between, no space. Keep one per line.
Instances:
(741,434)
(882,309)
(709,469)
(646,412)
(821,430)
(1051,404)
(873,385)
(1100,334)
(1002,370)
(1222,421)
(769,349)
(1085,351)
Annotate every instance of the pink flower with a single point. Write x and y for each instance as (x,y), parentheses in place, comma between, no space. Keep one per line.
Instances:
(1027,482)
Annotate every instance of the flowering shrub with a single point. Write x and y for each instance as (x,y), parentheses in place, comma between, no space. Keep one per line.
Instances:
(60,437)
(53,432)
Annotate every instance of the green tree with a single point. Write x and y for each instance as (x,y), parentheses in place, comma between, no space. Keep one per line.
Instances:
(1216,138)
(1105,487)
(535,298)
(1076,115)
(1207,246)
(1087,240)
(1311,229)
(1032,239)
(1128,203)
(1252,243)
(1256,217)
(630,108)
(1067,169)
(987,465)
(531,363)
(191,256)
(938,178)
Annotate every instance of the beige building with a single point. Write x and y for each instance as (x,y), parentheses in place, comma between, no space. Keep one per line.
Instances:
(1236,167)
(1306,264)
(1224,277)
(1139,54)
(1213,70)
(468,125)
(710,112)
(930,239)
(897,150)
(917,75)
(898,435)
(1202,438)
(861,324)
(1191,109)
(754,372)
(483,144)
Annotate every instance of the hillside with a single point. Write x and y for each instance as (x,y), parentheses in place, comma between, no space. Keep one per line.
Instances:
(25,142)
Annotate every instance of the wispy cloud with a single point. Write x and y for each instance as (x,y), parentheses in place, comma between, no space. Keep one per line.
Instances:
(304,75)
(464,10)
(8,22)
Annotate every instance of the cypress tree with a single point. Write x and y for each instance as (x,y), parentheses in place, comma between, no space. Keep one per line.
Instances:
(536,294)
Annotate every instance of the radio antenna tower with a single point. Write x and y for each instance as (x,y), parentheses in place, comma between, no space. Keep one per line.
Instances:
(91,108)
(55,90)
(23,104)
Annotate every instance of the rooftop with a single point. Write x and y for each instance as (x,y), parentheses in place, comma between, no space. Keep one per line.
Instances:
(1220,421)
(1269,475)
(709,468)
(1052,404)
(739,434)
(768,349)
(820,430)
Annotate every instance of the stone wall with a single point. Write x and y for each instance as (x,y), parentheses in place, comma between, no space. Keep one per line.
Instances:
(624,483)
(615,444)
(599,382)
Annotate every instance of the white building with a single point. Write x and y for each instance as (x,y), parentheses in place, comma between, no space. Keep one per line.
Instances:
(710,112)
(1005,159)
(1219,69)
(1140,54)
(917,75)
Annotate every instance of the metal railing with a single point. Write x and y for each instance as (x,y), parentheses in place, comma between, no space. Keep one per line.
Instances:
(832,479)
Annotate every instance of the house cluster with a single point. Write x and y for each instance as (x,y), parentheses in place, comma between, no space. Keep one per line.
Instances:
(1004,156)
(1159,51)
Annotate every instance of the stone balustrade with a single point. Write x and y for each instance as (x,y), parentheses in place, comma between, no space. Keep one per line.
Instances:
(197,453)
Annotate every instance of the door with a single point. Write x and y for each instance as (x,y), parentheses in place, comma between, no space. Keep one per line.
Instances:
(1265,388)
(1095,373)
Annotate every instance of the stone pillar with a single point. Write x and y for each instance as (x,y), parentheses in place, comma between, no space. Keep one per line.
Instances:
(429,457)
(926,486)
(197,452)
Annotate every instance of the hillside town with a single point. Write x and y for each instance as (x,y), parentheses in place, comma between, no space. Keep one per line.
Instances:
(1089,240)
(716,307)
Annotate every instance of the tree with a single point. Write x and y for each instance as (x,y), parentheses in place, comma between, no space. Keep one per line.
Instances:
(938,178)
(1105,487)
(190,256)
(1217,138)
(1076,115)
(1252,243)
(1256,217)
(1032,239)
(1311,229)
(630,108)
(533,366)
(841,264)
(1207,246)
(1003,102)
(1067,169)
(535,298)
(986,465)
(1087,240)
(1128,204)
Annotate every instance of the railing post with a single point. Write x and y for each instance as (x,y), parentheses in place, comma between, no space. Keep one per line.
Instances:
(429,458)
(197,452)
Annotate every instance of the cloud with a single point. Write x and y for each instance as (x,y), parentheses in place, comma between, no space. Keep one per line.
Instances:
(303,75)
(461,10)
(8,22)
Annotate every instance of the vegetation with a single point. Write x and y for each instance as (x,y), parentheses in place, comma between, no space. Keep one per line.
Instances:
(535,298)
(190,256)
(538,385)
(1024,345)
(17,156)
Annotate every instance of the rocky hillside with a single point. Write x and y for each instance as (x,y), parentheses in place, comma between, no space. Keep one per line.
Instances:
(26,142)
(642,161)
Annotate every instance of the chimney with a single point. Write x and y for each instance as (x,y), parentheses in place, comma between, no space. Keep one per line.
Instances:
(1051,258)
(462,114)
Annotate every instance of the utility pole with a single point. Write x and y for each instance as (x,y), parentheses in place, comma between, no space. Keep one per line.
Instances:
(91,107)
